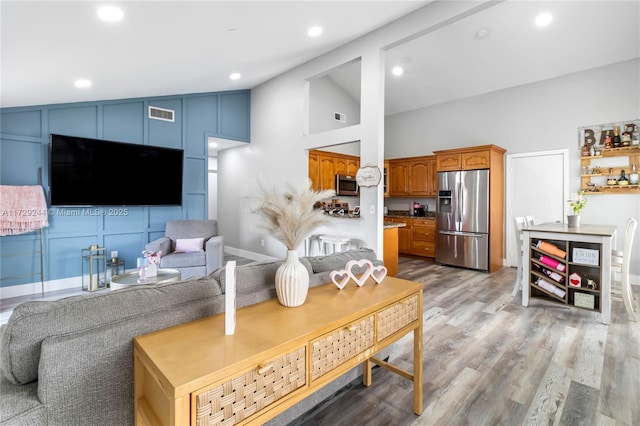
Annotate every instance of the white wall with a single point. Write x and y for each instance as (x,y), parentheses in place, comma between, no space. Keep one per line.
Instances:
(278,146)
(535,117)
(325,99)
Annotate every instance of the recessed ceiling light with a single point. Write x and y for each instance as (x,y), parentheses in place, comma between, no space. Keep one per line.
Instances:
(213,144)
(397,70)
(235,76)
(544,19)
(110,13)
(314,31)
(482,33)
(82,83)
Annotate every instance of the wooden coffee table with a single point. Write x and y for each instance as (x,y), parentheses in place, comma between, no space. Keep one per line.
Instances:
(131,279)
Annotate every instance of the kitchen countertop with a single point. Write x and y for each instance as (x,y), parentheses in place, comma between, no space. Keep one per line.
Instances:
(390,225)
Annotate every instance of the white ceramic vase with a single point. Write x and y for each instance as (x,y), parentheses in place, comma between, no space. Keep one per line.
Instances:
(573,220)
(292,281)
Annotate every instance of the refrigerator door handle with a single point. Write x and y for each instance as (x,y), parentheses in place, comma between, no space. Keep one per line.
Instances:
(462,234)
(460,206)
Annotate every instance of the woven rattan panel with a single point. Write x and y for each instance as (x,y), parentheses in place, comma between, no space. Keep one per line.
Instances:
(397,316)
(238,398)
(340,346)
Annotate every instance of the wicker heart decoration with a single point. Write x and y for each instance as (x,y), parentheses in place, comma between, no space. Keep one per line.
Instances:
(335,277)
(378,273)
(361,263)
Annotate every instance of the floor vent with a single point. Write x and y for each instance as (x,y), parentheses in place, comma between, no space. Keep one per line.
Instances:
(157,113)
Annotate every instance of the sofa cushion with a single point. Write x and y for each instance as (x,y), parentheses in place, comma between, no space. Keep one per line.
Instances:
(31,322)
(189,245)
(19,404)
(337,261)
(183,260)
(255,276)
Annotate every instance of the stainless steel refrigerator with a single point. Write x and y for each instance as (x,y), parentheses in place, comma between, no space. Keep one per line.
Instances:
(462,219)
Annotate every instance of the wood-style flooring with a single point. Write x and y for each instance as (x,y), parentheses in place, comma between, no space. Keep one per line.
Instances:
(490,361)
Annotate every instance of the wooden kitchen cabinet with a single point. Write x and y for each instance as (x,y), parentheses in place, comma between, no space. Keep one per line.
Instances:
(399,182)
(324,166)
(473,158)
(424,237)
(413,176)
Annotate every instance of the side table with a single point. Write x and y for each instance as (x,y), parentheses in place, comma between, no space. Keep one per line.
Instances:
(132,279)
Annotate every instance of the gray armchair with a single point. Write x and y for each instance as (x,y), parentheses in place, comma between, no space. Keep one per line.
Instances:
(190,261)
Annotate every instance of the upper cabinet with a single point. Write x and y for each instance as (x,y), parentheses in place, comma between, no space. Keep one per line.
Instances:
(473,158)
(412,176)
(324,166)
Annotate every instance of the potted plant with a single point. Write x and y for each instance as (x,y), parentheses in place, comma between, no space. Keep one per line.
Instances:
(289,216)
(576,207)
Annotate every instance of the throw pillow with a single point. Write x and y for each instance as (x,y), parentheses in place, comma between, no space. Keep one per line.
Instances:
(189,245)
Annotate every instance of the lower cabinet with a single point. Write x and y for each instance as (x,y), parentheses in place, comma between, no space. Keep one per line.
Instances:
(417,237)
(424,238)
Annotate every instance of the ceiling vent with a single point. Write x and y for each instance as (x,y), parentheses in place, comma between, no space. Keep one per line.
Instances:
(163,114)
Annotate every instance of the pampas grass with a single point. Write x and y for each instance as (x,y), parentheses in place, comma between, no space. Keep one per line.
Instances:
(288,211)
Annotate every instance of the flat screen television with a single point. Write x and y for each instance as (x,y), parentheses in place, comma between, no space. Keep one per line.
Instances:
(93,172)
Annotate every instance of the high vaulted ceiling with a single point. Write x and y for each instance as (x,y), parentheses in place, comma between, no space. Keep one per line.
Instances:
(168,47)
(175,47)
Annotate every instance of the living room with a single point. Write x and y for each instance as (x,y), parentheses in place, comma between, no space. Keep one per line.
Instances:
(538,116)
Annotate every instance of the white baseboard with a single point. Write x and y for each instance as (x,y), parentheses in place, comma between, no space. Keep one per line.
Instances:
(36,288)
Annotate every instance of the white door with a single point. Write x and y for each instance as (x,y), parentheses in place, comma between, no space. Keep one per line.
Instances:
(537,184)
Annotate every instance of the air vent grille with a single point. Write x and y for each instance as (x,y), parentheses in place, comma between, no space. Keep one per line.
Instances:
(163,114)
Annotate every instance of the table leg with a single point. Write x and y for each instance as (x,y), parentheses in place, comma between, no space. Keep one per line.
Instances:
(417,369)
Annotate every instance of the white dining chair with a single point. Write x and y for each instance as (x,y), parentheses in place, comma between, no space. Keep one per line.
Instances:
(519,222)
(529,220)
(620,260)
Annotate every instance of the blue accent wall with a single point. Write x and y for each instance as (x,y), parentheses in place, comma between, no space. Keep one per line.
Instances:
(24,153)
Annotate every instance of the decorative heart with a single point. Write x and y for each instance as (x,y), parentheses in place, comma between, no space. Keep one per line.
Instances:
(360,263)
(335,277)
(378,273)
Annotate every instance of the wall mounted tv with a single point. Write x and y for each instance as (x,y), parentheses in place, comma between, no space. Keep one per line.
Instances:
(92,172)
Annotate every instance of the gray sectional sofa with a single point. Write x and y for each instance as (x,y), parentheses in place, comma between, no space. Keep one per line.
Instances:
(70,362)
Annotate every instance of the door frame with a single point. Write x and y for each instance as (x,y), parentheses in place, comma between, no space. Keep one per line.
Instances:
(509,244)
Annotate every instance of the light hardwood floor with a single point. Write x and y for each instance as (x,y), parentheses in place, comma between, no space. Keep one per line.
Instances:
(490,361)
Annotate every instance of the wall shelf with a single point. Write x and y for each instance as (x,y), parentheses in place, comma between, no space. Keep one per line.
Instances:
(598,180)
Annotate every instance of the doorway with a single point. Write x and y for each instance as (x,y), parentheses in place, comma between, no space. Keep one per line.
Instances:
(537,184)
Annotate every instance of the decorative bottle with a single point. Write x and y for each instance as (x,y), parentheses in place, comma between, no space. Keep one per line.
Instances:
(612,180)
(623,179)
(617,142)
(607,139)
(633,177)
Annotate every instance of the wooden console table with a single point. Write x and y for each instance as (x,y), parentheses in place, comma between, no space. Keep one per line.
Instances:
(194,374)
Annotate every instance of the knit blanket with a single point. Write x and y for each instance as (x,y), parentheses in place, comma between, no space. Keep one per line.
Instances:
(22,209)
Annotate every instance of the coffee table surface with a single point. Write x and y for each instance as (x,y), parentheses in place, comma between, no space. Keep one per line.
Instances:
(130,279)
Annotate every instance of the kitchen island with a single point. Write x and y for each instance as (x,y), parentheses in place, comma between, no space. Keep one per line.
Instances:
(580,261)
(390,244)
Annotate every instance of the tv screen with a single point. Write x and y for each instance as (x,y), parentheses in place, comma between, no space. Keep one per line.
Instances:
(92,172)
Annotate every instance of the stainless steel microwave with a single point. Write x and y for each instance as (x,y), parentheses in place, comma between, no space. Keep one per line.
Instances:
(346,185)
